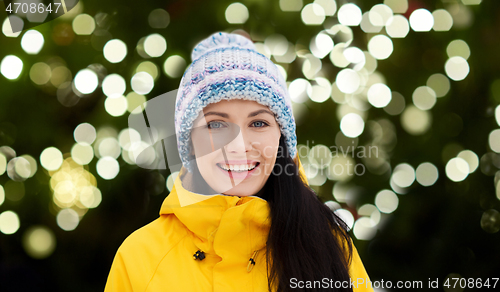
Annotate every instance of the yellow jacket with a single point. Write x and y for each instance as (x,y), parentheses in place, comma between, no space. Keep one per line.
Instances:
(230,230)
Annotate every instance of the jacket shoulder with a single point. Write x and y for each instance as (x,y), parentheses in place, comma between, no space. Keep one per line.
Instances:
(157,236)
(139,255)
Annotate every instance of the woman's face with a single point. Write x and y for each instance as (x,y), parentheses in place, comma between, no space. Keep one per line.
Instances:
(235,143)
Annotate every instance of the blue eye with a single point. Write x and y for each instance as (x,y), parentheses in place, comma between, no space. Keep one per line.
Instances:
(214,125)
(260,124)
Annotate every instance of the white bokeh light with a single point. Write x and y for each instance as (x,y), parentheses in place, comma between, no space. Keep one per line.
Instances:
(67,219)
(380,47)
(107,167)
(426,174)
(457,68)
(379,95)
(32,42)
(349,14)
(155,45)
(352,125)
(386,201)
(86,81)
(421,20)
(11,67)
(236,13)
(9,222)
(115,51)
(397,27)
(348,81)
(457,169)
(313,14)
(142,83)
(51,158)
(114,84)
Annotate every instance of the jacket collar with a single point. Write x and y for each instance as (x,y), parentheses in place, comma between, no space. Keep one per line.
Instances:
(202,215)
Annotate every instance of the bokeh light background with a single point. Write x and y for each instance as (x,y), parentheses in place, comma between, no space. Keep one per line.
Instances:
(396,103)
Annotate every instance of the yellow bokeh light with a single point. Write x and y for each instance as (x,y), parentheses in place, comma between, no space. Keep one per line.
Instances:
(415,121)
(442,20)
(174,66)
(135,102)
(458,48)
(9,222)
(159,18)
(313,14)
(60,75)
(148,67)
(83,24)
(39,241)
(82,153)
(427,174)
(40,73)
(3,163)
(398,6)
(155,45)
(439,83)
(51,158)
(2,195)
(236,13)
(291,5)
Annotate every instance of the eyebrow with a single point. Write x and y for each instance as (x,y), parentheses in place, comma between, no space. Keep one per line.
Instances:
(252,114)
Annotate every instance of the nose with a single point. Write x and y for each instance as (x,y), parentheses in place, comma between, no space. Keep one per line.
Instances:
(240,144)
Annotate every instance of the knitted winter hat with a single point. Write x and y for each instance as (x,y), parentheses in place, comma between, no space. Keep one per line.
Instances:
(227,66)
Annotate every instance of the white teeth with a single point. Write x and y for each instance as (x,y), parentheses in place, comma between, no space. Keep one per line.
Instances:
(239,168)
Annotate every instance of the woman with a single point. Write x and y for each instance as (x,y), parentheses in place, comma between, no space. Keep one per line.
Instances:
(241,216)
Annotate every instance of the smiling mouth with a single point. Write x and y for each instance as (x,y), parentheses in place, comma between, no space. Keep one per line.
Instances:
(237,168)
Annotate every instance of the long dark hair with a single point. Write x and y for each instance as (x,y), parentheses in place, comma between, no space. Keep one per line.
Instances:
(307,241)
